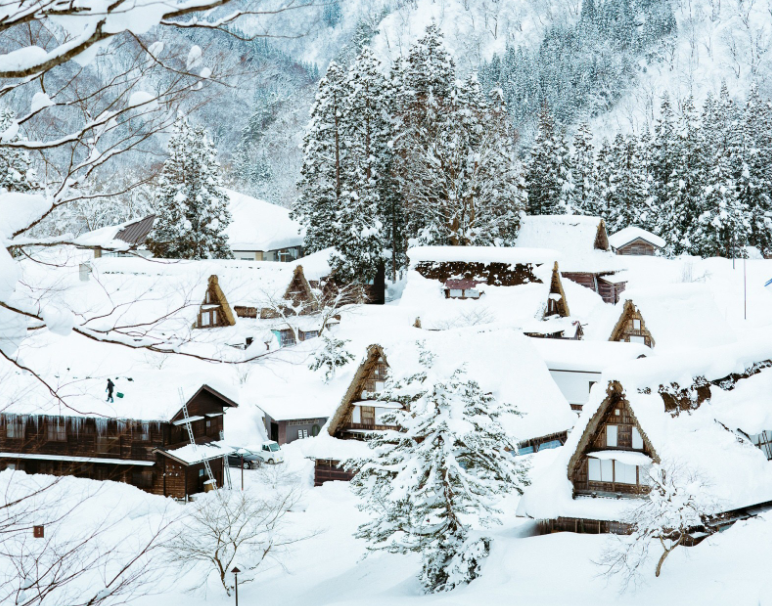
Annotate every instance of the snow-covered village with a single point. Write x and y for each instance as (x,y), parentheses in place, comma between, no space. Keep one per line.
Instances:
(385,302)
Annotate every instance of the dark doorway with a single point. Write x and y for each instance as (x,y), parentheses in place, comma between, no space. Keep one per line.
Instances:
(274,431)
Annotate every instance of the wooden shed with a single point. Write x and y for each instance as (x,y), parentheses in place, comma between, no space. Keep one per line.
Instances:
(636,241)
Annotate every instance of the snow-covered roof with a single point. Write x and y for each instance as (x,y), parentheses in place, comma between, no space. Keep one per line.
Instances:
(588,356)
(706,441)
(148,395)
(260,226)
(481,254)
(678,316)
(190,455)
(581,241)
(503,362)
(124,236)
(629,234)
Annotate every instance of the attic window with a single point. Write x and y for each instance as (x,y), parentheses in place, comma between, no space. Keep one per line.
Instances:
(611,435)
(637,439)
(636,324)
(636,339)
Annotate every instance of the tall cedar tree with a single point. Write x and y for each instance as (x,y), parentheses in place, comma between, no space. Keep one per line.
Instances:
(191,200)
(585,174)
(365,132)
(548,175)
(429,482)
(321,184)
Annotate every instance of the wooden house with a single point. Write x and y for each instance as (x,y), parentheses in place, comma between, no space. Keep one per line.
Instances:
(452,286)
(583,243)
(322,278)
(124,444)
(666,317)
(119,240)
(503,360)
(636,241)
(645,418)
(261,231)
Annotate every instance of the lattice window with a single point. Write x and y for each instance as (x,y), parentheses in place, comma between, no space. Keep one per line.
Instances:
(763,441)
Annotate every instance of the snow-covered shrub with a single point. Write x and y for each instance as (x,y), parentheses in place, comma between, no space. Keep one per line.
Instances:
(675,510)
(331,356)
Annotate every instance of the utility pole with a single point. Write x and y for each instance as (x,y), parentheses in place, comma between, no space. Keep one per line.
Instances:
(242,472)
(745,291)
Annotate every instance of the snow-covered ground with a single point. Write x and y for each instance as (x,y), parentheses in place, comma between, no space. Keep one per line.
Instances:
(558,569)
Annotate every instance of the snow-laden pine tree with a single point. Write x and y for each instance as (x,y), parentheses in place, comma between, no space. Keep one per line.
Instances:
(724,224)
(431,482)
(548,174)
(16,172)
(682,190)
(755,178)
(320,190)
(365,133)
(191,202)
(626,204)
(584,171)
(423,87)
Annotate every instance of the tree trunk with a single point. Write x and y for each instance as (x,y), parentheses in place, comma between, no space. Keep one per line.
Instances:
(666,553)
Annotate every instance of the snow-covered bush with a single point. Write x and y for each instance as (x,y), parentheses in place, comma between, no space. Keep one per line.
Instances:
(331,356)
(434,479)
(675,510)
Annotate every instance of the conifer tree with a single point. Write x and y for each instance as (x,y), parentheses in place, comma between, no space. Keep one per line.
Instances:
(16,172)
(427,482)
(365,133)
(320,191)
(682,189)
(547,174)
(627,205)
(585,173)
(191,201)
(755,179)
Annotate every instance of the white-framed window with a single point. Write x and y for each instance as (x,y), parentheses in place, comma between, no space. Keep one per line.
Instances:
(637,339)
(456,292)
(625,474)
(601,470)
(206,318)
(611,435)
(637,439)
(636,324)
(380,385)
(356,415)
(302,434)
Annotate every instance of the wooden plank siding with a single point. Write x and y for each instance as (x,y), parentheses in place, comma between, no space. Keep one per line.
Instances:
(55,439)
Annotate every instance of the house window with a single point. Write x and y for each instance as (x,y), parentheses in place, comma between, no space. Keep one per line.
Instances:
(637,439)
(456,292)
(142,478)
(601,470)
(763,441)
(57,431)
(206,319)
(315,430)
(625,474)
(356,416)
(636,324)
(611,435)
(108,445)
(200,473)
(636,339)
(208,423)
(302,434)
(15,428)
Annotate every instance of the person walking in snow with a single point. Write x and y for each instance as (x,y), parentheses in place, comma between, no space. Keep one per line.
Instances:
(109,390)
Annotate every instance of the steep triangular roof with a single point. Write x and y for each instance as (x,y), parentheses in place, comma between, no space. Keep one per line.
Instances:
(354,392)
(219,296)
(629,313)
(614,395)
(557,295)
